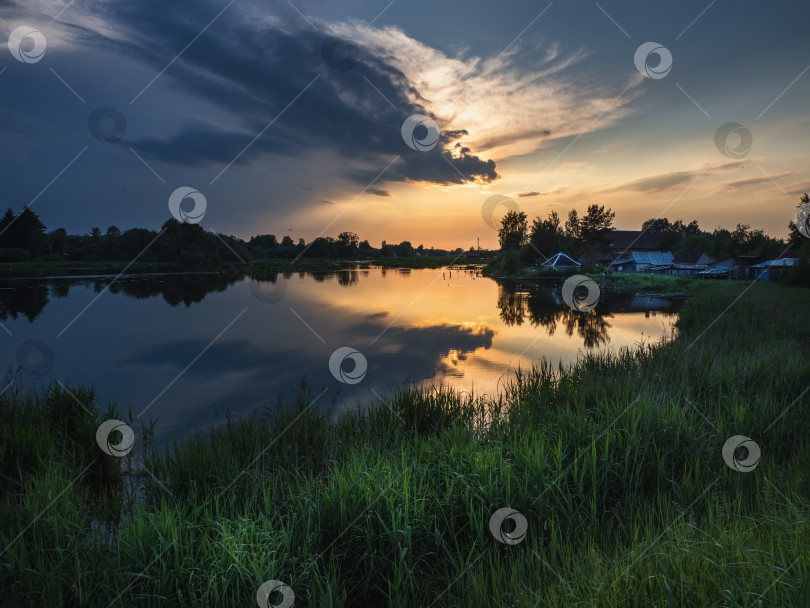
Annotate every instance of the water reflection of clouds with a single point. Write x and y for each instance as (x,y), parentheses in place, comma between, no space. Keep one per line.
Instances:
(268,368)
(410,326)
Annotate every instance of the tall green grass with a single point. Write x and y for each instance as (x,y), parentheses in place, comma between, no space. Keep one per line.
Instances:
(615,463)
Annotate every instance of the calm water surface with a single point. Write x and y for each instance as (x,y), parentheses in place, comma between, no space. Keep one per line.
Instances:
(186,349)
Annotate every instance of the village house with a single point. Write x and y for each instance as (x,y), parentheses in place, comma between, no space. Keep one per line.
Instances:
(643,261)
(771,270)
(688,263)
(735,267)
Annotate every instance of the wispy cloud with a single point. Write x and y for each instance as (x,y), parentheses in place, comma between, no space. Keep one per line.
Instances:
(755,181)
(505,108)
(666,181)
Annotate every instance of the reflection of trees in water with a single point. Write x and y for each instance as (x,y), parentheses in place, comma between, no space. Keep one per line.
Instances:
(22,299)
(591,326)
(511,304)
(347,278)
(543,310)
(186,290)
(25,297)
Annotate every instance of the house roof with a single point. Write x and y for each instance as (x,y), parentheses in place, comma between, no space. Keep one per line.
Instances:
(633,239)
(687,257)
(772,263)
(718,270)
(656,258)
(559,260)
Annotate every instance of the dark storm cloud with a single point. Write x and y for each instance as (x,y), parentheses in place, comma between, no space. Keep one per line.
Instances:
(251,70)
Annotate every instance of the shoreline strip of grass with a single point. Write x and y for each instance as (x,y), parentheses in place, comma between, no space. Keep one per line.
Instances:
(615,464)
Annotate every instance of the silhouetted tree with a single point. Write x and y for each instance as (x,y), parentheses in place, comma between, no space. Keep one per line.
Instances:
(657,224)
(572,228)
(264,241)
(405,249)
(347,243)
(513,231)
(593,229)
(58,241)
(795,238)
(23,231)
(547,235)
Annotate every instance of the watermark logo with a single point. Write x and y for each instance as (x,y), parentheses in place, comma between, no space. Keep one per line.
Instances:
(491,204)
(420,133)
(343,354)
(802,220)
(123,447)
(270,295)
(17,44)
(502,536)
(197,212)
(107,125)
(35,357)
(723,139)
(277,588)
(578,302)
(339,54)
(642,57)
(742,463)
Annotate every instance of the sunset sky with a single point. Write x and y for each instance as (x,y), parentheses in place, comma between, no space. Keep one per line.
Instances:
(540,102)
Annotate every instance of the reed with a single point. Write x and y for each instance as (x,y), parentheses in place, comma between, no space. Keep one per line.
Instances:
(615,463)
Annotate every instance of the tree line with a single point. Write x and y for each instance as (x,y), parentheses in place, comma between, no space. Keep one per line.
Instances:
(586,237)
(23,237)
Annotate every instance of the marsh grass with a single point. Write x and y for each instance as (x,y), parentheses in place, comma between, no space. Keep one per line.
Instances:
(615,462)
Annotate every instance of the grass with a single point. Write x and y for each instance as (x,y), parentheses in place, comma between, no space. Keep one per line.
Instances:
(615,463)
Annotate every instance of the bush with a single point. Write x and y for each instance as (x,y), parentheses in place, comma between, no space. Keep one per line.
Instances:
(506,262)
(14,254)
(799,275)
(528,255)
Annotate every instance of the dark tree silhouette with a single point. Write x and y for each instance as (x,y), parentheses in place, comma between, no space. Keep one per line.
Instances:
(513,231)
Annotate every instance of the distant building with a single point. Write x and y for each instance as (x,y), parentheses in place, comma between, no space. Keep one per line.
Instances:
(474,254)
(690,263)
(643,261)
(771,270)
(735,267)
(560,260)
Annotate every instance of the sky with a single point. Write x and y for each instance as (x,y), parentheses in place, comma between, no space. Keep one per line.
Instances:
(295,117)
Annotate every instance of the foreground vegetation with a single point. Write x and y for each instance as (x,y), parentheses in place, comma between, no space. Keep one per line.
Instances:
(615,463)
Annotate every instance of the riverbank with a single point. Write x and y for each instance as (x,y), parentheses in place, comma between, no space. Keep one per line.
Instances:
(616,465)
(621,283)
(66,268)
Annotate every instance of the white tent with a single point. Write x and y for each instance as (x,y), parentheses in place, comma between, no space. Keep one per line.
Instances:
(560,260)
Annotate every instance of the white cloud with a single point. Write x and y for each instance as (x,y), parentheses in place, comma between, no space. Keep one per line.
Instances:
(508,109)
